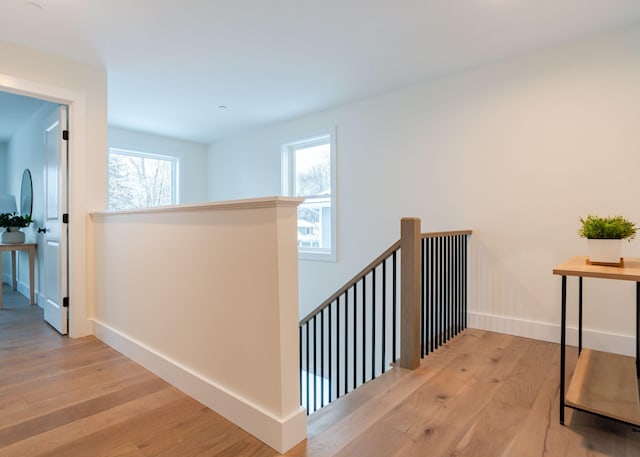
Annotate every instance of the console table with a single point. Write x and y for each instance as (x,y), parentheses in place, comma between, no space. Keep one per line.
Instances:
(604,384)
(31,249)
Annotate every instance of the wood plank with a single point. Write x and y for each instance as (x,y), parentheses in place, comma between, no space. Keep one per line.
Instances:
(578,266)
(79,411)
(606,384)
(499,422)
(53,441)
(126,450)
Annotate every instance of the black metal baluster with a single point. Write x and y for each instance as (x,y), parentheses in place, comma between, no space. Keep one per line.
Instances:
(461,268)
(449,286)
(384,316)
(436,303)
(443,300)
(308,367)
(330,352)
(346,341)
(364,332)
(315,363)
(440,305)
(452,285)
(428,306)
(443,266)
(456,272)
(422,300)
(464,282)
(447,261)
(432,293)
(459,282)
(338,347)
(355,332)
(394,291)
(373,323)
(321,359)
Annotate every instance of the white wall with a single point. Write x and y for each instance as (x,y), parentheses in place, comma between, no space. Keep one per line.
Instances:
(516,151)
(3,168)
(205,296)
(193,159)
(84,88)
(26,150)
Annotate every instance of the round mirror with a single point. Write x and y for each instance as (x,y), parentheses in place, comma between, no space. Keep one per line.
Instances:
(26,194)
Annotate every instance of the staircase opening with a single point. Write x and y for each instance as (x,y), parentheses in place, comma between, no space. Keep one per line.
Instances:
(405,304)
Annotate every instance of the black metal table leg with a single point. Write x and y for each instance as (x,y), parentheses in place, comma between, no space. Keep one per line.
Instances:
(563,341)
(638,329)
(580,316)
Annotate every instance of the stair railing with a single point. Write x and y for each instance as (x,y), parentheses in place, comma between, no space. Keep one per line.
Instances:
(443,281)
(351,337)
(360,331)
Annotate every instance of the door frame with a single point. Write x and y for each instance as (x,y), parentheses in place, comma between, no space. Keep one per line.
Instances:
(79,324)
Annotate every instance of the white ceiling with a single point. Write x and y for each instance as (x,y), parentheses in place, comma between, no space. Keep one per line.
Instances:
(172,63)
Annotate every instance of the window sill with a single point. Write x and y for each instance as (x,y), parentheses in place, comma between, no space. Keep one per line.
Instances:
(316,256)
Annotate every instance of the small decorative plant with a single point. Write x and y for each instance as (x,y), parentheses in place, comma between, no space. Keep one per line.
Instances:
(10,220)
(608,228)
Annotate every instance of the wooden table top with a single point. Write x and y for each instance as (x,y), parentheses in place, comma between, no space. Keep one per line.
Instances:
(578,266)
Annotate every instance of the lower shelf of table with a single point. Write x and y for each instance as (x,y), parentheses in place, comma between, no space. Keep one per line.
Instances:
(605,384)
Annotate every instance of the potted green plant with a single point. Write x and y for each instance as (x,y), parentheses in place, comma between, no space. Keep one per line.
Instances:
(13,222)
(604,237)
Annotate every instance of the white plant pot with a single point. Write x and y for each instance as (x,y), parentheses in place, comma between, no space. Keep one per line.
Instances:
(604,251)
(15,236)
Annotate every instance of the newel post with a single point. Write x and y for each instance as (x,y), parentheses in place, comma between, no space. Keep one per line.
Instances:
(410,293)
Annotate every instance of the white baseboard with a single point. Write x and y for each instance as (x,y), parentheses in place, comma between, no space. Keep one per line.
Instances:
(23,288)
(545,331)
(280,434)
(6,278)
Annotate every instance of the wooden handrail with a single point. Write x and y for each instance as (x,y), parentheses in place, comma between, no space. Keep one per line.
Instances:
(366,270)
(450,233)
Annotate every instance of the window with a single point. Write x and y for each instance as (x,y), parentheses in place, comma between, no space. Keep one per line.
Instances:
(140,180)
(309,172)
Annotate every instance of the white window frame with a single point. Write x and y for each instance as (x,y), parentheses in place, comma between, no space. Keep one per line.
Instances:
(288,180)
(175,167)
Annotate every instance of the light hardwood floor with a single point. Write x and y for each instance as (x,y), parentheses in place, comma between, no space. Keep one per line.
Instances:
(483,395)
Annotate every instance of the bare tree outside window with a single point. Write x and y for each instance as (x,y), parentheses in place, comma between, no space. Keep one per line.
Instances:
(138,180)
(313,181)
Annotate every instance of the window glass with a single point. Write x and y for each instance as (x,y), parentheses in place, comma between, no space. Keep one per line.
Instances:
(308,173)
(141,180)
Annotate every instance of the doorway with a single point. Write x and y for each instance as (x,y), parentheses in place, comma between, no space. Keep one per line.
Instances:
(79,324)
(33,146)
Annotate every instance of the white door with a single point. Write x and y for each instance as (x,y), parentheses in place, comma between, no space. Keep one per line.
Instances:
(54,230)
